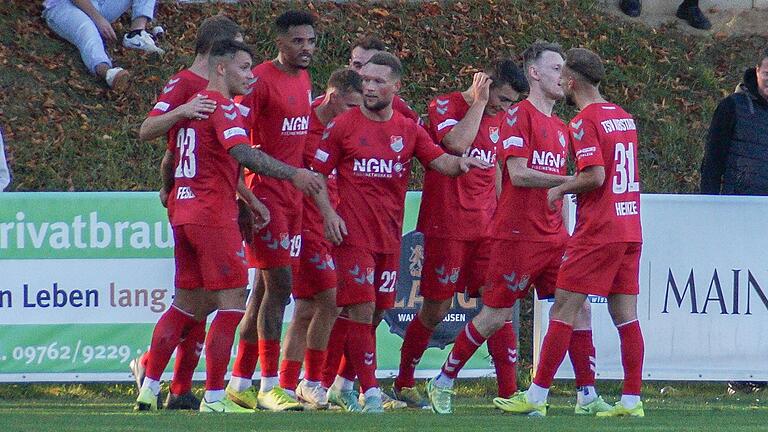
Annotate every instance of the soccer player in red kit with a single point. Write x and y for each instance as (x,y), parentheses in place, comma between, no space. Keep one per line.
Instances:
(454,216)
(314,283)
(170,110)
(362,51)
(603,255)
(528,238)
(209,254)
(371,147)
(279,102)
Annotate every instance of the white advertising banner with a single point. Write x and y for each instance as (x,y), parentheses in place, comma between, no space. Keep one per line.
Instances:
(703,303)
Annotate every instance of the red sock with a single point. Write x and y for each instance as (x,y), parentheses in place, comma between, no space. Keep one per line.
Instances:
(552,352)
(467,342)
(187,357)
(415,343)
(247,357)
(313,364)
(502,346)
(269,353)
(289,374)
(632,352)
(335,351)
(582,354)
(165,337)
(362,354)
(218,347)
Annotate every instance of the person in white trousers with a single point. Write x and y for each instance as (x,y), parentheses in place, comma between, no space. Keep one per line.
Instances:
(87,24)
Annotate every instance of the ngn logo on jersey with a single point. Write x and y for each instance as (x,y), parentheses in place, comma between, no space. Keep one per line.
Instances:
(373,167)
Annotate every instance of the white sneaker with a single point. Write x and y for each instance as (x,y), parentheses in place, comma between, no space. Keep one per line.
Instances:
(142,41)
(315,396)
(117,78)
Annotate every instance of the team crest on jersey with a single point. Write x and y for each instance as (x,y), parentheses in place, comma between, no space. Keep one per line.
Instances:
(369,275)
(396,143)
(284,241)
(561,138)
(493,133)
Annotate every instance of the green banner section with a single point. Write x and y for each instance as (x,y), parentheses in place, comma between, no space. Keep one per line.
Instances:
(45,225)
(108,348)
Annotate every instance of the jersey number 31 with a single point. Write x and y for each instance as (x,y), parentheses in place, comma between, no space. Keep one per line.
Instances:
(624,180)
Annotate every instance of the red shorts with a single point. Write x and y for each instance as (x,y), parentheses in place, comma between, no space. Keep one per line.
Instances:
(316,271)
(365,276)
(516,265)
(601,269)
(209,257)
(279,243)
(452,266)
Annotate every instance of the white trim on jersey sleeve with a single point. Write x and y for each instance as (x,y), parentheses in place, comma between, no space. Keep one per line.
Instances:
(234,131)
(161,106)
(447,123)
(321,155)
(513,141)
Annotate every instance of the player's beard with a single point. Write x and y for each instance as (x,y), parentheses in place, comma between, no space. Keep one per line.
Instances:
(378,106)
(569,100)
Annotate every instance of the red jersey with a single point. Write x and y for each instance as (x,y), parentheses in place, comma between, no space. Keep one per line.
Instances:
(523,213)
(605,135)
(401,106)
(373,161)
(205,179)
(278,119)
(460,208)
(312,219)
(179,89)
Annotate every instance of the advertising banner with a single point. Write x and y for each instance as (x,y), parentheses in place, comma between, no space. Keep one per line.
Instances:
(85,276)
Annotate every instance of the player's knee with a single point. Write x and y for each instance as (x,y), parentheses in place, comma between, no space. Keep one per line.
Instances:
(432,313)
(363,312)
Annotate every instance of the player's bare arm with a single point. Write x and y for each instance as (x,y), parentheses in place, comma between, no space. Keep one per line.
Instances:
(156,126)
(166,174)
(333,225)
(264,164)
(591,177)
(522,176)
(463,134)
(455,166)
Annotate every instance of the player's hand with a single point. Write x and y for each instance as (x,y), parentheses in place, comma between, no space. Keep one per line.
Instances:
(261,213)
(481,88)
(245,221)
(554,195)
(164,197)
(335,228)
(307,181)
(105,29)
(467,163)
(198,108)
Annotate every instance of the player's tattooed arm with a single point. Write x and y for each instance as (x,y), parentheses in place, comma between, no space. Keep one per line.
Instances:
(455,166)
(333,225)
(522,176)
(463,134)
(264,164)
(591,177)
(166,173)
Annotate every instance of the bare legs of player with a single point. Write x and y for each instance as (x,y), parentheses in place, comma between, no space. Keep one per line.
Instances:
(306,340)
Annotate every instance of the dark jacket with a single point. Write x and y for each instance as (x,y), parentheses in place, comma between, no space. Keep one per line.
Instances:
(736,154)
